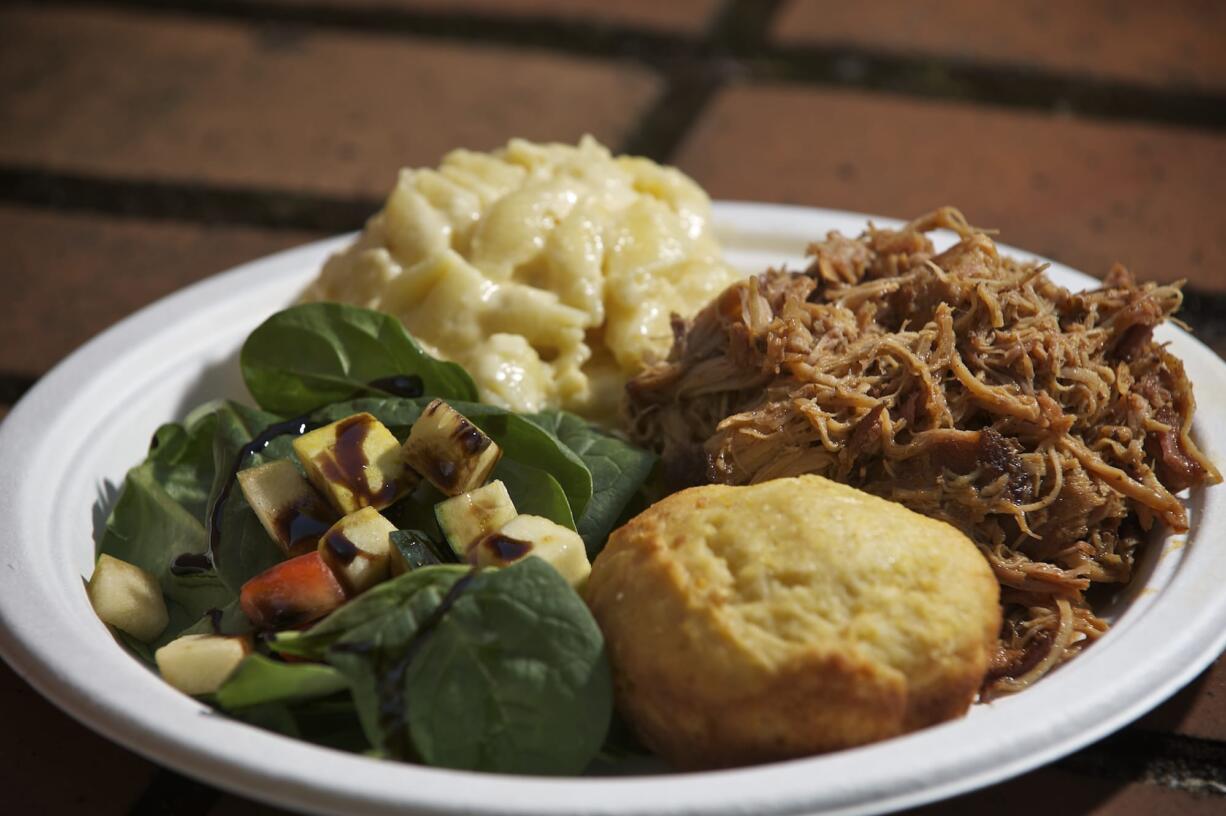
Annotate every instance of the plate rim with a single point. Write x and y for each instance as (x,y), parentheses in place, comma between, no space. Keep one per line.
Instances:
(20,647)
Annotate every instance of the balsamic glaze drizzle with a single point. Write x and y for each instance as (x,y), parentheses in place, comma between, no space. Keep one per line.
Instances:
(402,385)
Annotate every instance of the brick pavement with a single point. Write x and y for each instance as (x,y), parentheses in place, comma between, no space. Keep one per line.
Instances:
(148,143)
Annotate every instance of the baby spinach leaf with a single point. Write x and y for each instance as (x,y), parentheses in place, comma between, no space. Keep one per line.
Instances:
(317,353)
(331,722)
(222,620)
(259,679)
(181,458)
(515,677)
(534,491)
(618,470)
(530,444)
(492,670)
(150,529)
(397,413)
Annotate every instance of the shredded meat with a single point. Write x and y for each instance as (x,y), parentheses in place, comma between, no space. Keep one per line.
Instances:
(1047,425)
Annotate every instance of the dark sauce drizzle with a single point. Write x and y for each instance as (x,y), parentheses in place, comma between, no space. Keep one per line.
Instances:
(341,548)
(393,705)
(401,385)
(349,463)
(505,548)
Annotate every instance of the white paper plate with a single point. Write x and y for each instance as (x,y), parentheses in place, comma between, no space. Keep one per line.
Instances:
(91,418)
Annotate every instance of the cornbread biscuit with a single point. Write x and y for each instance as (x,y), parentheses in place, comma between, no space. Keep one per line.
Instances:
(796,616)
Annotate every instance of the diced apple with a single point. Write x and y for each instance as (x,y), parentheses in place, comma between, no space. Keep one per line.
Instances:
(289,594)
(199,664)
(285,503)
(449,451)
(128,598)
(525,536)
(358,549)
(355,462)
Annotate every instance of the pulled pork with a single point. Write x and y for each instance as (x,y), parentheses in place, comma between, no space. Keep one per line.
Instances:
(1049,426)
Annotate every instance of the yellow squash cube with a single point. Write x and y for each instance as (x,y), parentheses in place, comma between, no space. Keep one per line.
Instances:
(355,462)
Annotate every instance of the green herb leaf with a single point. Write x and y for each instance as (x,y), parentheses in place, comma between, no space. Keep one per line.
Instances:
(318,353)
(618,470)
(534,491)
(511,678)
(259,679)
(150,529)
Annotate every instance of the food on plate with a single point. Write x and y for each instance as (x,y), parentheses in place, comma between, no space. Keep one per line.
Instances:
(291,593)
(466,519)
(355,462)
(128,598)
(549,271)
(402,550)
(292,513)
(1049,426)
(201,664)
(373,535)
(754,623)
(526,536)
(358,550)
(450,451)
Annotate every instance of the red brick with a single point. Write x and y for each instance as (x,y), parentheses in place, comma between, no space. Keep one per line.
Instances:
(67,277)
(1054,793)
(1084,193)
(1176,43)
(1199,710)
(678,16)
(53,764)
(117,93)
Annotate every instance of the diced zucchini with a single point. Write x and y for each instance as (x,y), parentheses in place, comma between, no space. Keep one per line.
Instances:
(471,516)
(355,462)
(526,536)
(291,593)
(411,549)
(357,549)
(285,503)
(128,598)
(199,664)
(449,451)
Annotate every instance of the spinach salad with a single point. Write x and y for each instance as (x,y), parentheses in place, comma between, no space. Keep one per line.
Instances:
(462,655)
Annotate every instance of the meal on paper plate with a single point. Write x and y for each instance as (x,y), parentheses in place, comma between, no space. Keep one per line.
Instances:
(532,481)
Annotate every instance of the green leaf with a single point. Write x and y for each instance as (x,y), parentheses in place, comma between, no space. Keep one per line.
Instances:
(259,679)
(618,470)
(530,444)
(223,620)
(511,677)
(534,492)
(150,529)
(330,722)
(318,353)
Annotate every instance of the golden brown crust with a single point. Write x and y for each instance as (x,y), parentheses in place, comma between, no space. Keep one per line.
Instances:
(727,649)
